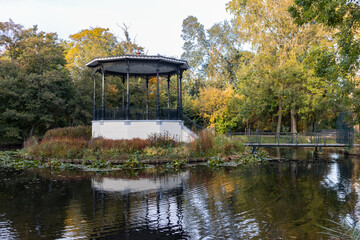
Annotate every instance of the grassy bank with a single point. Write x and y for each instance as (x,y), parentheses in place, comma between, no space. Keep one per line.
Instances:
(75,145)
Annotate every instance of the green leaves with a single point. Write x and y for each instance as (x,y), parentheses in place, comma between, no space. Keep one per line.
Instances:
(35,86)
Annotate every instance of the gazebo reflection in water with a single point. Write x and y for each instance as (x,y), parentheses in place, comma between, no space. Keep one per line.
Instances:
(127,122)
(150,206)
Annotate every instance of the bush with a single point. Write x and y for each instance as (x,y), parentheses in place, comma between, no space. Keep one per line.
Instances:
(59,148)
(79,132)
(162,140)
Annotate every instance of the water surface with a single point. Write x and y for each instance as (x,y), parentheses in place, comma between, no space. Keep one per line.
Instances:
(287,200)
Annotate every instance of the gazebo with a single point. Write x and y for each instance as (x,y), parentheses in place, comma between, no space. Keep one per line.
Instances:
(127,123)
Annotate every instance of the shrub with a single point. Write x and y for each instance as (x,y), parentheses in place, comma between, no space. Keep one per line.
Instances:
(59,148)
(80,132)
(164,139)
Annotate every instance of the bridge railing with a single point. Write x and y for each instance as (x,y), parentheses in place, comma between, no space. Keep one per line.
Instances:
(323,138)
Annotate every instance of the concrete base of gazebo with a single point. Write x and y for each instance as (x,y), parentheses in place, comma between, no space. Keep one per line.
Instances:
(129,129)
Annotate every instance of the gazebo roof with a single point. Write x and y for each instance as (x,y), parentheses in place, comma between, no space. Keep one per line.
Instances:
(139,64)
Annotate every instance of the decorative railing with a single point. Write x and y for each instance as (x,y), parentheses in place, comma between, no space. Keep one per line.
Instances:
(190,123)
(137,114)
(323,138)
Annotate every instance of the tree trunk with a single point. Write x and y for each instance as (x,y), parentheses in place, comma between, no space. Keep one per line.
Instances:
(278,129)
(293,120)
(32,130)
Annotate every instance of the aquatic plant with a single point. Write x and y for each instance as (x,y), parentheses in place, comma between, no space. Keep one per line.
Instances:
(215,162)
(248,156)
(54,164)
(133,162)
(342,231)
(11,159)
(100,164)
(177,163)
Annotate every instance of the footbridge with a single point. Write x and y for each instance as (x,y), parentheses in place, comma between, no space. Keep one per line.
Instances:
(315,140)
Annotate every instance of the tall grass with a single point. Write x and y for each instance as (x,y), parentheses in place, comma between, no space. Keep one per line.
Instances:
(75,143)
(58,148)
(207,144)
(342,231)
(126,146)
(163,139)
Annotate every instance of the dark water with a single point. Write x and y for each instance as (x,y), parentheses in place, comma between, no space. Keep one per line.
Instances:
(286,200)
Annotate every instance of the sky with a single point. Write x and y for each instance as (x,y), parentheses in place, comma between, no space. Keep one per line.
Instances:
(154,24)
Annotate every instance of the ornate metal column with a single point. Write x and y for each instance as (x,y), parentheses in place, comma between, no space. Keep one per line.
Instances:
(127,91)
(123,95)
(168,92)
(147,97)
(181,108)
(157,94)
(94,99)
(102,93)
(177,94)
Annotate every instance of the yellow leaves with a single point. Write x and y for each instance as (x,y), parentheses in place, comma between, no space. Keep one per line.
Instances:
(213,103)
(88,44)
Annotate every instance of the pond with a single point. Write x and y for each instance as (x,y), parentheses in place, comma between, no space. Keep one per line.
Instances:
(285,200)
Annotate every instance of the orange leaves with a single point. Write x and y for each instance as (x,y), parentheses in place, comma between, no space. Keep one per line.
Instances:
(112,89)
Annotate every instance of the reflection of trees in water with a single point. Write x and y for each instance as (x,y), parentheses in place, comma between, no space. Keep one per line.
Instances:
(36,207)
(279,200)
(264,201)
(344,180)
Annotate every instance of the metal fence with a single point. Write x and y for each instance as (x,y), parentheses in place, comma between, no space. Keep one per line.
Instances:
(323,138)
(137,114)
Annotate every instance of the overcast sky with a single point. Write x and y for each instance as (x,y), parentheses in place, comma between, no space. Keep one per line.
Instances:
(156,24)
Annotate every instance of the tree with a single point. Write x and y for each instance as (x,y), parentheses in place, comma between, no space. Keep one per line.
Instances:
(281,47)
(216,106)
(35,85)
(88,44)
(342,15)
(82,48)
(209,53)
(10,35)
(128,45)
